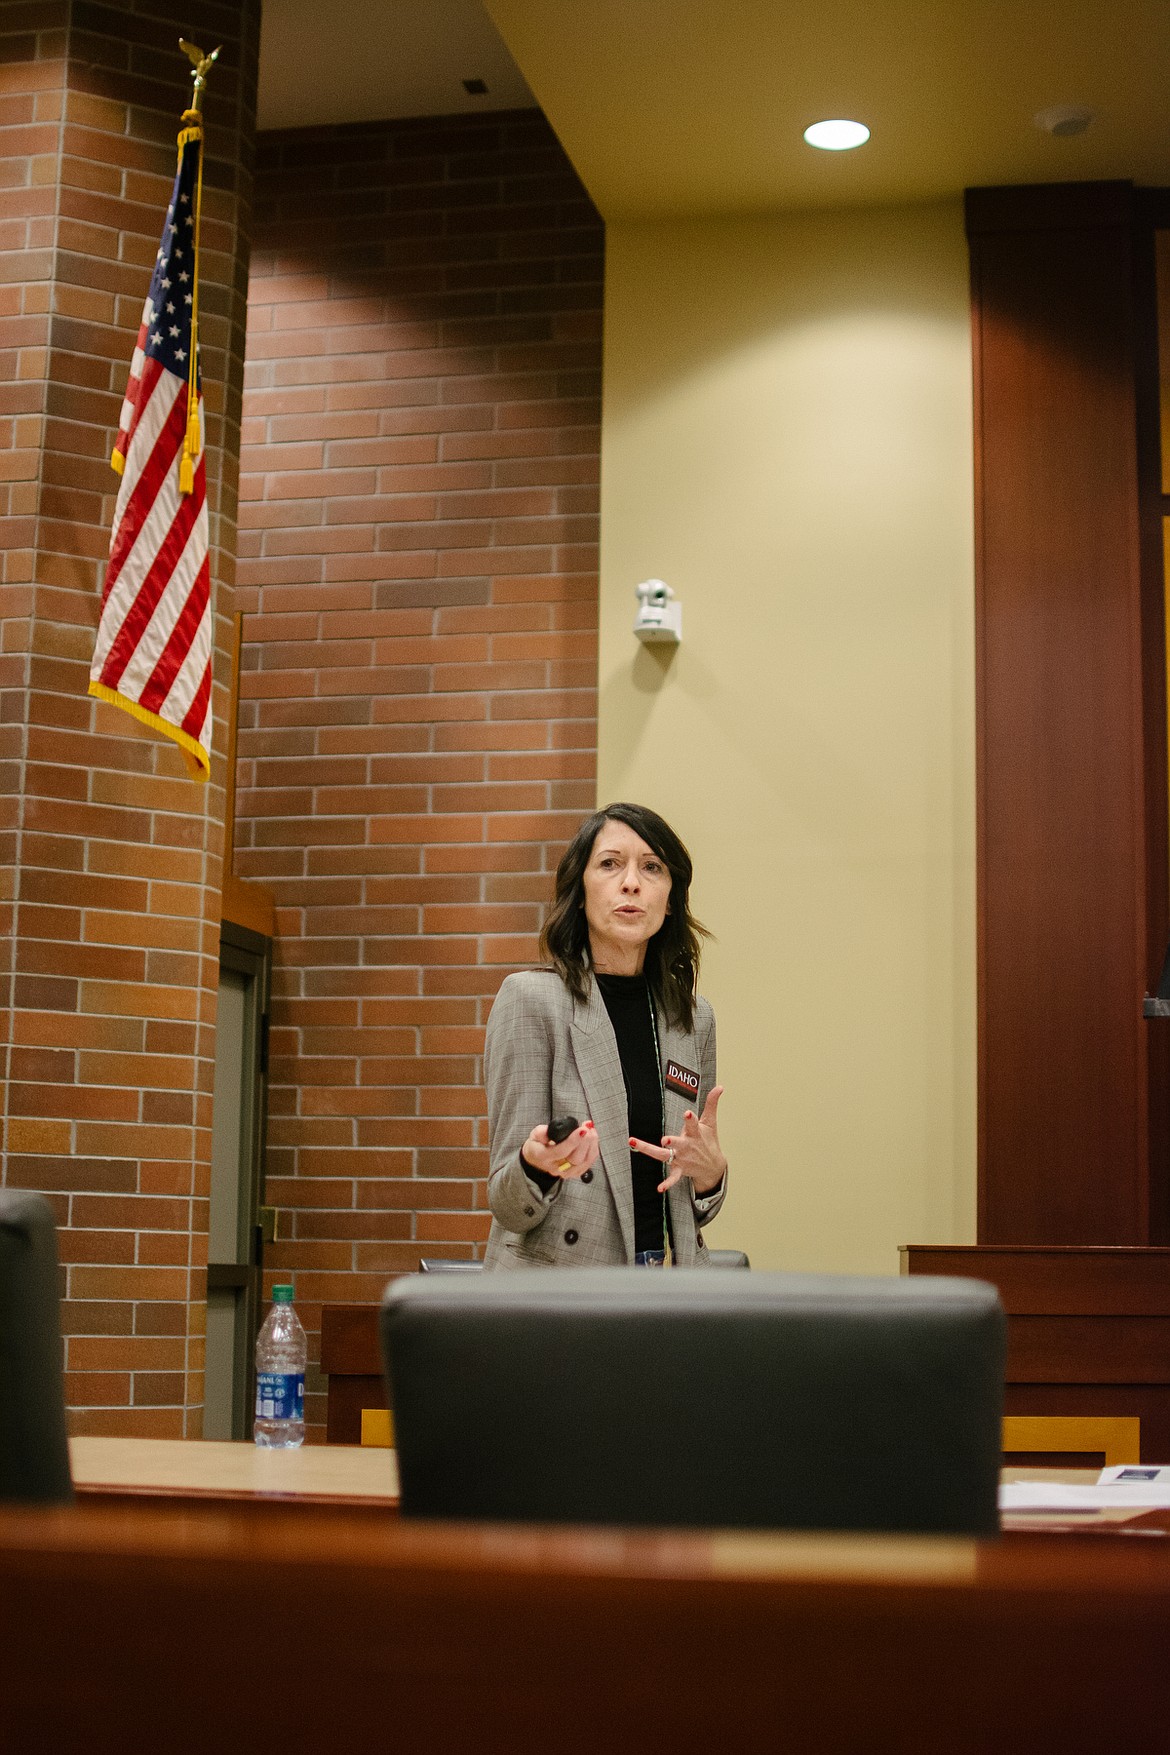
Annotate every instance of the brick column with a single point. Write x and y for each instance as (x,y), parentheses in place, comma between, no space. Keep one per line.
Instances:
(111,855)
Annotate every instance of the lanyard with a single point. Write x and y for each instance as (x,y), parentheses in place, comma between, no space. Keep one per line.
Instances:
(661,1106)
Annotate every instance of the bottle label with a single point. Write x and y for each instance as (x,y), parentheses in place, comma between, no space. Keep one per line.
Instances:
(280,1395)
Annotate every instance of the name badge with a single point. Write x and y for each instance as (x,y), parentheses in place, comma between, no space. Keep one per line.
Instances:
(681,1079)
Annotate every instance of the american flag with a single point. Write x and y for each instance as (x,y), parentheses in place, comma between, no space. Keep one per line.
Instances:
(153,653)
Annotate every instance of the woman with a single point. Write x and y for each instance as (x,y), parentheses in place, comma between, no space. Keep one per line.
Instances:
(614,1034)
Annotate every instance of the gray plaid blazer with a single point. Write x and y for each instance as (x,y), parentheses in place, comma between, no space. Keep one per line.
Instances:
(547,1054)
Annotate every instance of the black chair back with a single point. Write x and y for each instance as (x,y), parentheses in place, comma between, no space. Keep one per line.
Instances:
(34,1450)
(618,1395)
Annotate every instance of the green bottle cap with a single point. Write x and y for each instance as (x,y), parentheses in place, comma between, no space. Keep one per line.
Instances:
(282,1294)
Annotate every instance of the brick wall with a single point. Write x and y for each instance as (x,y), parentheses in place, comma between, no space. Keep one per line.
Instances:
(111,856)
(418,538)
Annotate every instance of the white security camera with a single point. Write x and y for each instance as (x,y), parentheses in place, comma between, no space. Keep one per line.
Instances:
(659,617)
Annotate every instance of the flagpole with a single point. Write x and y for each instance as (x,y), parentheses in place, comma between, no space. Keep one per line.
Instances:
(192,130)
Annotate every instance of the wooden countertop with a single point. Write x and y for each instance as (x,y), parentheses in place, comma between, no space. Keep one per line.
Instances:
(177,1468)
(492,1638)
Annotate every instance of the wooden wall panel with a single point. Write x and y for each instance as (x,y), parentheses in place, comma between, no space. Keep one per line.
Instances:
(1071,716)
(1088,1329)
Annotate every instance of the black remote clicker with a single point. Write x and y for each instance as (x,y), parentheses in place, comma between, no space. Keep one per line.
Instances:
(561,1127)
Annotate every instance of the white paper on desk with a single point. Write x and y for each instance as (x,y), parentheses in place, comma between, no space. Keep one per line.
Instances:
(1056,1496)
(1152,1475)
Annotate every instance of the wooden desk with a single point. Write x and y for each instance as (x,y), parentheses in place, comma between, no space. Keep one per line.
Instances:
(144,1628)
(175,1473)
(193,1470)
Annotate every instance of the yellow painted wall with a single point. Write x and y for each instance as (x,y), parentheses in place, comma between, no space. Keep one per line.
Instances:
(787,441)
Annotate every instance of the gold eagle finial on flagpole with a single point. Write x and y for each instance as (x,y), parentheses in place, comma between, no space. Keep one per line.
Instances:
(201,65)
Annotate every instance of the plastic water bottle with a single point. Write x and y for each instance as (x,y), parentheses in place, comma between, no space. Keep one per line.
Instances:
(281,1350)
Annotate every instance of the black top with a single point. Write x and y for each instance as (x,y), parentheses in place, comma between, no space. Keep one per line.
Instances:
(627,1000)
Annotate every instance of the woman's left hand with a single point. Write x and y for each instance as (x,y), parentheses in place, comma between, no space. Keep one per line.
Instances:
(694,1152)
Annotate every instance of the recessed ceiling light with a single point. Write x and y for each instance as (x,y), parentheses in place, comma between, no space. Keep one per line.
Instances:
(837,136)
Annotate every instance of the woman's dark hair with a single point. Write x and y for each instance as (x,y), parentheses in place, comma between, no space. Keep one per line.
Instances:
(672,955)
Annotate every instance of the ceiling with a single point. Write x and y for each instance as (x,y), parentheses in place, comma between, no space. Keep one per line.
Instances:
(365,60)
(690,106)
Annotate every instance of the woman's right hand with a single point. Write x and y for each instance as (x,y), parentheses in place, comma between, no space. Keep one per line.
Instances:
(568,1158)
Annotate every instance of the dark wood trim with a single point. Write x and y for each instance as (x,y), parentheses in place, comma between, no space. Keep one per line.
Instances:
(1088,1329)
(1074,898)
(1153,724)
(1047,207)
(351,1358)
(349,1340)
(1037,1281)
(237,1500)
(982,1217)
(1154,208)
(1041,207)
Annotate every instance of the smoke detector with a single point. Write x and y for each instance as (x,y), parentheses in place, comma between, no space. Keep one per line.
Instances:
(1064,120)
